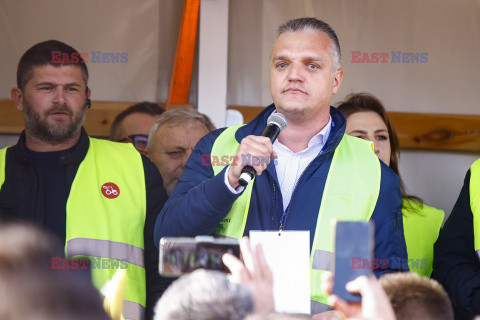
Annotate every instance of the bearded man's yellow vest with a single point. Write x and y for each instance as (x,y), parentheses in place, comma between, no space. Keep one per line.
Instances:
(350,194)
(108,231)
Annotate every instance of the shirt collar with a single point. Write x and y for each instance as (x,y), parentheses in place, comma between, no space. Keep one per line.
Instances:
(322,136)
(317,140)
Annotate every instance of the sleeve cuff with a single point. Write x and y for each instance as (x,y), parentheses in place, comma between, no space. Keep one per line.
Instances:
(238,190)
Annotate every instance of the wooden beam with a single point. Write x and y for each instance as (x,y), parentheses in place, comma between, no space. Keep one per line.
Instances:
(446,132)
(97,122)
(428,131)
(185,52)
(452,132)
(248,112)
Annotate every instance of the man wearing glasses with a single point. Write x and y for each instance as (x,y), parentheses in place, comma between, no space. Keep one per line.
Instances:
(134,123)
(172,139)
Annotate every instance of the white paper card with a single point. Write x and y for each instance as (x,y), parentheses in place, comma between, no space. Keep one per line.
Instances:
(288,255)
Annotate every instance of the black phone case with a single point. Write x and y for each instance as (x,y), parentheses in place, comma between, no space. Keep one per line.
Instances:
(354,245)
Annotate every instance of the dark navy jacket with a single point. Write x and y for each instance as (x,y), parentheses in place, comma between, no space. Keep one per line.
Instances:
(455,263)
(201,200)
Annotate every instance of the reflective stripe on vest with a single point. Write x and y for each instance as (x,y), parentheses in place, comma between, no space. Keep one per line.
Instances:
(106,249)
(110,231)
(351,192)
(3,158)
(133,310)
(475,202)
(421,226)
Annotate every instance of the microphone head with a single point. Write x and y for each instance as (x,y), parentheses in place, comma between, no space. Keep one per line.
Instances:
(278,119)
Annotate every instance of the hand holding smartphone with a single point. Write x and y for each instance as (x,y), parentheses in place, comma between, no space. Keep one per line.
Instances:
(179,256)
(354,246)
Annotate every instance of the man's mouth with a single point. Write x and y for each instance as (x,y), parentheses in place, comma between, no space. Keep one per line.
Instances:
(293,90)
(59,113)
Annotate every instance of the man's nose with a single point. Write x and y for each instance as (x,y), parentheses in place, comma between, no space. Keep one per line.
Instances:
(295,72)
(59,97)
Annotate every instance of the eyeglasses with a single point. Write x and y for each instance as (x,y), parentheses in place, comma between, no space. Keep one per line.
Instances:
(139,141)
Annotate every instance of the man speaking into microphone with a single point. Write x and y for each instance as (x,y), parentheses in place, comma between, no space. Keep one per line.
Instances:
(319,173)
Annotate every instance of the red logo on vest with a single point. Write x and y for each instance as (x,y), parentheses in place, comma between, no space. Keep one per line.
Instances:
(110,190)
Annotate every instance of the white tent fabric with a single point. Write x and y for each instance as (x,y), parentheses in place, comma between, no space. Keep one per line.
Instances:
(446,32)
(119,26)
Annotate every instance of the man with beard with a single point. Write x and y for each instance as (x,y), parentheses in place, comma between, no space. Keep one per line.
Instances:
(97,196)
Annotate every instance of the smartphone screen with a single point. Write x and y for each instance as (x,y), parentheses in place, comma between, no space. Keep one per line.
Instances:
(354,245)
(179,256)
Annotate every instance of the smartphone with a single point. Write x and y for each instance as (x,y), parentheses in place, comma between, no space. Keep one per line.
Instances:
(179,256)
(354,246)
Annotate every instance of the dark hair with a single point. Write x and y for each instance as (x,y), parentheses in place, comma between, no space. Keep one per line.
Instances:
(415,297)
(361,102)
(41,54)
(145,107)
(314,24)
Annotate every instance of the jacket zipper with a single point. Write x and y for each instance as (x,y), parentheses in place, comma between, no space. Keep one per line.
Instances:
(287,211)
(272,210)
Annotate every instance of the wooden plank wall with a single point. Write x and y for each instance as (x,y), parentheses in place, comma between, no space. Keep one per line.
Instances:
(447,132)
(98,121)
(428,131)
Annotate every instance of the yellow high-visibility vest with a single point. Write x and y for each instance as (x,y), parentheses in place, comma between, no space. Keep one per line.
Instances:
(475,202)
(421,226)
(351,192)
(108,230)
(3,156)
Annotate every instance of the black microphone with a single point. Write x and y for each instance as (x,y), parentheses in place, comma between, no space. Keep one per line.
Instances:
(276,123)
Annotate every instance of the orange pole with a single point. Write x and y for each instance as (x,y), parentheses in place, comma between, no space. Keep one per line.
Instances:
(183,63)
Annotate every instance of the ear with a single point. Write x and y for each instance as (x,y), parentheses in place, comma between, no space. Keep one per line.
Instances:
(89,92)
(337,80)
(17,97)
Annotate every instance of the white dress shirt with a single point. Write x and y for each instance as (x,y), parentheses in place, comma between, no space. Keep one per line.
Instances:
(290,165)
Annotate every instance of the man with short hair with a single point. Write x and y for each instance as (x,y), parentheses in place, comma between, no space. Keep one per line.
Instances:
(320,173)
(98,197)
(209,294)
(414,297)
(204,295)
(172,139)
(133,124)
